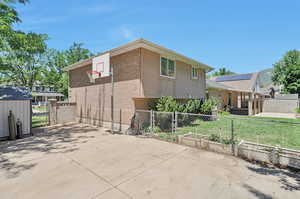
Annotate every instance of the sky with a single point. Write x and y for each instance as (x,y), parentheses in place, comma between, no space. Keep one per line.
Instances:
(243,36)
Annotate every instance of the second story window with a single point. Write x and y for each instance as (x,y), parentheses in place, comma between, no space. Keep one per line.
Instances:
(167,67)
(194,73)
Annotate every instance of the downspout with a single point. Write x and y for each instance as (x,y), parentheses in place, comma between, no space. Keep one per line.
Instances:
(141,67)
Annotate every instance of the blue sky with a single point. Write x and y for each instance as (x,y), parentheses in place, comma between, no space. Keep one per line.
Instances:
(244,36)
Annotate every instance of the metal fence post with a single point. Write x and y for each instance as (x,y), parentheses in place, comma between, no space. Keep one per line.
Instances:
(175,122)
(172,122)
(151,121)
(232,136)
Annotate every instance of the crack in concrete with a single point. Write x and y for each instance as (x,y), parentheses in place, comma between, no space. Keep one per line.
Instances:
(99,177)
(154,166)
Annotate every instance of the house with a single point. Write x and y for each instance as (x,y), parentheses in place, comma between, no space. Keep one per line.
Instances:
(17,100)
(240,94)
(41,94)
(143,71)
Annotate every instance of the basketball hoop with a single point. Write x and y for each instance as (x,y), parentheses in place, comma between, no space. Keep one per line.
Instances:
(92,74)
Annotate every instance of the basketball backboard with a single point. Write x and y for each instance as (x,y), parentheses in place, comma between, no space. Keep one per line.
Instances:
(101,66)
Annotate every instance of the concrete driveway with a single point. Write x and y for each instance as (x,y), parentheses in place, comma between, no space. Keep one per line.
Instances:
(78,161)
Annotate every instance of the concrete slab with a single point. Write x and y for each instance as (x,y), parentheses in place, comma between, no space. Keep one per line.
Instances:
(51,177)
(114,194)
(79,161)
(277,115)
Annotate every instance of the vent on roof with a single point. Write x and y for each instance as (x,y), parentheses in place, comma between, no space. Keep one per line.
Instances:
(234,78)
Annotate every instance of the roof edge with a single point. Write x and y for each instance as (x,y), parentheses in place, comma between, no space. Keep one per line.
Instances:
(140,43)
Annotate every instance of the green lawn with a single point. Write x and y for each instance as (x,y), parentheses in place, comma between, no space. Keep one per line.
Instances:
(38,121)
(40,108)
(253,129)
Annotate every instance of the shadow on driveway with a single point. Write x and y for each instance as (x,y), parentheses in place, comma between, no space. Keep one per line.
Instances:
(15,156)
(288,180)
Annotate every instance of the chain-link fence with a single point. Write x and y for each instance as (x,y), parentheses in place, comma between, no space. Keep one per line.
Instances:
(220,129)
(278,133)
(40,116)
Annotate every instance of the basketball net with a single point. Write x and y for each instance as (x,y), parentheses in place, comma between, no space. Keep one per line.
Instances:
(92,74)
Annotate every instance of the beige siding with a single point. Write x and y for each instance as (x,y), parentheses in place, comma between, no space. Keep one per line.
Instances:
(182,86)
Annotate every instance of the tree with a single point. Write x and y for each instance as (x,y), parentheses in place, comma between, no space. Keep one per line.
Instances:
(54,62)
(223,72)
(20,59)
(19,51)
(77,53)
(287,72)
(8,17)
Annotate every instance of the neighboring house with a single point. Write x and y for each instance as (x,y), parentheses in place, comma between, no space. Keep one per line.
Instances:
(143,71)
(41,94)
(241,94)
(17,100)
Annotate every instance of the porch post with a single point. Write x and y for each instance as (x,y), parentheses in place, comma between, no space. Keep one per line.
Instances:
(250,111)
(255,104)
(259,104)
(239,102)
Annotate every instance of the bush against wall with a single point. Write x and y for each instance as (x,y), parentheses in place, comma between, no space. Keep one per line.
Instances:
(197,106)
(208,106)
(169,104)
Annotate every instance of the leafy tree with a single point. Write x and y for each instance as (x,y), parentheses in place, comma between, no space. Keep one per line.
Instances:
(19,52)
(8,17)
(223,72)
(287,72)
(54,62)
(76,53)
(20,60)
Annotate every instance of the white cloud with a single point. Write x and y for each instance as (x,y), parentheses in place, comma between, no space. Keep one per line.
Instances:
(122,33)
(126,33)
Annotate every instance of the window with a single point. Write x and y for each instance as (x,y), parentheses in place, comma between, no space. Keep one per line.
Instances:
(194,73)
(167,67)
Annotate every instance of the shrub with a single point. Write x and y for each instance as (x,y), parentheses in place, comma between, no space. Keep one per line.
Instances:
(224,113)
(152,105)
(155,129)
(208,106)
(217,138)
(192,106)
(167,104)
(298,110)
(163,121)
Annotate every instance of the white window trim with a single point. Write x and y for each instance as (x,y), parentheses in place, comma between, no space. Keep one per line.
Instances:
(170,77)
(192,77)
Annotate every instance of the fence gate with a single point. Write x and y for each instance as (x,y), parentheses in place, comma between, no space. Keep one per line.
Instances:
(40,116)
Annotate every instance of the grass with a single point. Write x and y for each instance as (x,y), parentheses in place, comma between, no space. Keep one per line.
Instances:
(40,108)
(38,121)
(253,129)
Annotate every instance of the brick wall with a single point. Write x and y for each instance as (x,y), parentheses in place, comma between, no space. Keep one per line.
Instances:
(136,74)
(94,100)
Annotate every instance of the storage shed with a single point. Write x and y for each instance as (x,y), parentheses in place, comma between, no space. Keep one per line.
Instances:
(18,100)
